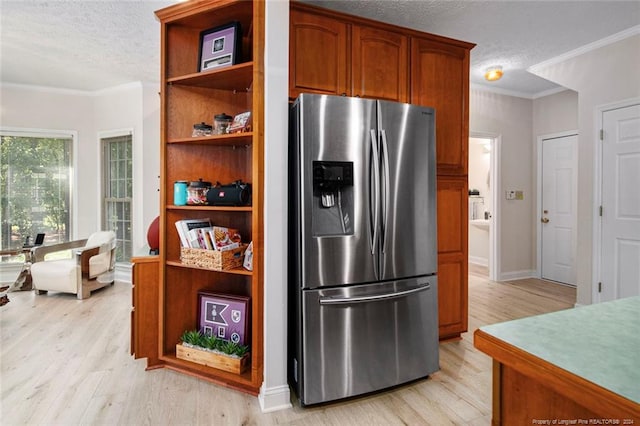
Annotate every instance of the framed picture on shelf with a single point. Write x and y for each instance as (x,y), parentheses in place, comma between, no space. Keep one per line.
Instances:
(219,46)
(225,316)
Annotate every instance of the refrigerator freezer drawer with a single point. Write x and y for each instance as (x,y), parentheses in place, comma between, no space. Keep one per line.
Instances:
(364,338)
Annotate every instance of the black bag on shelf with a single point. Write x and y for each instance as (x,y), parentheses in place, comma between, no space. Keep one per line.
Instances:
(233,194)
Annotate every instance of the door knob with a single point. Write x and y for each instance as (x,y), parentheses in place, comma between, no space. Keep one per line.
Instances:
(544,220)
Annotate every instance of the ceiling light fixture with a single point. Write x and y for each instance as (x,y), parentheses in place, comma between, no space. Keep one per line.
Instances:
(493,73)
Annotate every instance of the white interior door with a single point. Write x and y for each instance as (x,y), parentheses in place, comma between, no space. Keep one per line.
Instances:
(620,232)
(558,214)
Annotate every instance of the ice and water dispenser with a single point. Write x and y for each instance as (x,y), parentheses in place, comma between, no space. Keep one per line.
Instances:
(332,210)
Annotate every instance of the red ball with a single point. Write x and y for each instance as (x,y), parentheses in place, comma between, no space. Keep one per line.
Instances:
(153,234)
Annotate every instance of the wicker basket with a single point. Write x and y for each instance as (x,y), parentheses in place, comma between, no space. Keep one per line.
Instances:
(213,259)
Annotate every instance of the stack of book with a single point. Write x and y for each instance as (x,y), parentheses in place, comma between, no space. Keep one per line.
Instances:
(201,234)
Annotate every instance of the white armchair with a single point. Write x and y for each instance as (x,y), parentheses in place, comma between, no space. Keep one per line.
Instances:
(91,266)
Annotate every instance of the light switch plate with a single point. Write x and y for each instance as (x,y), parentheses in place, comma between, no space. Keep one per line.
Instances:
(510,195)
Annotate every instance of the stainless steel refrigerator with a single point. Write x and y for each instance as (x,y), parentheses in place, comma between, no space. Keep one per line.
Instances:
(363,311)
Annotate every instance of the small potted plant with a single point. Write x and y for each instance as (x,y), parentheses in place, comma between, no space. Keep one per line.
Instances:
(213,352)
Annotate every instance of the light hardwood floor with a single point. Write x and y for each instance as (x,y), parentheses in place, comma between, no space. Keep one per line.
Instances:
(65,361)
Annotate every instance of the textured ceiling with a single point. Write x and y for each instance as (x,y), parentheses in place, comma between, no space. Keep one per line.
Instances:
(85,45)
(515,34)
(96,44)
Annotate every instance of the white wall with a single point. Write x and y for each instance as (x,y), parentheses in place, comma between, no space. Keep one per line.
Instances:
(41,108)
(555,113)
(146,160)
(552,114)
(90,114)
(274,393)
(136,108)
(512,119)
(604,75)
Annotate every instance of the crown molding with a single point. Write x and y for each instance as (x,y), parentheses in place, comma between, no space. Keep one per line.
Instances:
(549,92)
(614,38)
(499,91)
(514,93)
(76,92)
(48,89)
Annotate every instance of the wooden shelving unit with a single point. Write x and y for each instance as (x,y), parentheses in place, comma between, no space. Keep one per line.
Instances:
(189,97)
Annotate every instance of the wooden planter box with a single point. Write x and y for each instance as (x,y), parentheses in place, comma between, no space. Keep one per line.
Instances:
(211,359)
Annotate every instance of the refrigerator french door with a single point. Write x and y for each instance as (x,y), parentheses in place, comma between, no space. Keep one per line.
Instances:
(362,242)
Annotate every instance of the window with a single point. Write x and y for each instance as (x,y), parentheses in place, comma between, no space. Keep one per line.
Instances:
(35,187)
(118,191)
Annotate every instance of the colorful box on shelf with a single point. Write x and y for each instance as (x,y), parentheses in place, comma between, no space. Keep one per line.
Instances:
(213,359)
(213,259)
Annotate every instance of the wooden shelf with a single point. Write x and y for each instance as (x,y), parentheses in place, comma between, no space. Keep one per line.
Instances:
(236,381)
(212,208)
(233,139)
(203,16)
(235,78)
(226,271)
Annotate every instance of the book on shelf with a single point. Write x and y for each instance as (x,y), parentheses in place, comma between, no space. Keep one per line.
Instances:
(184,226)
(205,238)
(196,237)
(199,233)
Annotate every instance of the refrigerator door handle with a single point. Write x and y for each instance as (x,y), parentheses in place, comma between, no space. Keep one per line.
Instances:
(374,191)
(384,151)
(374,298)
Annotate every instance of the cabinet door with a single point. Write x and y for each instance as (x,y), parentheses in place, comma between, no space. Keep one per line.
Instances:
(317,55)
(440,79)
(452,256)
(144,327)
(380,64)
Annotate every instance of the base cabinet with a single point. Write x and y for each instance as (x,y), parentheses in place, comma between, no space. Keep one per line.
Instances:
(580,374)
(452,195)
(144,312)
(452,296)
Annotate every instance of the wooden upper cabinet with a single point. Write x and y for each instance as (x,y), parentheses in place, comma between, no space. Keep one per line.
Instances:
(336,53)
(440,79)
(318,54)
(380,64)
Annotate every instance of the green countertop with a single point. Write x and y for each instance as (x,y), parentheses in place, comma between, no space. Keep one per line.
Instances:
(599,342)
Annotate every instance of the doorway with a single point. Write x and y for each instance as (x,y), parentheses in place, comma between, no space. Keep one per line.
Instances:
(483,204)
(557,207)
(617,237)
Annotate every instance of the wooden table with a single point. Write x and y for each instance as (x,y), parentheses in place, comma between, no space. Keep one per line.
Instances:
(572,367)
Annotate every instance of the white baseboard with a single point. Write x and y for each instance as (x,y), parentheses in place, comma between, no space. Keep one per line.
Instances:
(123,272)
(517,275)
(479,261)
(274,399)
